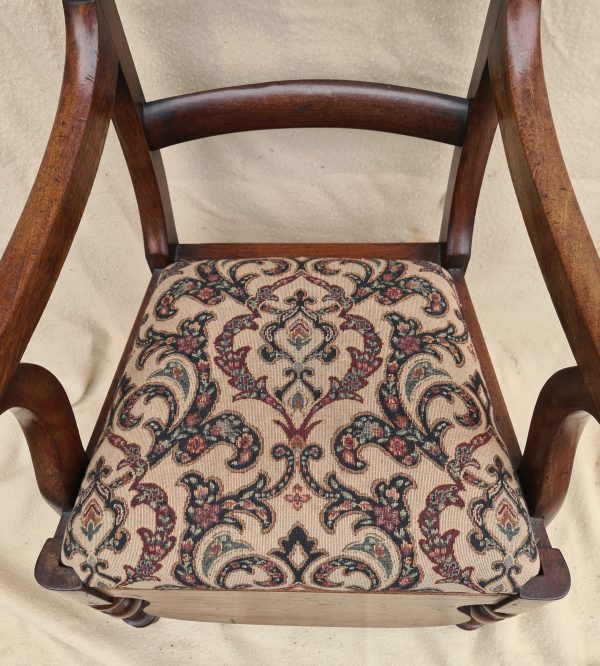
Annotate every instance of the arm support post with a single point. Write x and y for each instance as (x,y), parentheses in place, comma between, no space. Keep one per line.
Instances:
(559,417)
(42,407)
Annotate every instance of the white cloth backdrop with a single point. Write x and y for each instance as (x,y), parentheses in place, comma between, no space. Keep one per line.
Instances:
(297,185)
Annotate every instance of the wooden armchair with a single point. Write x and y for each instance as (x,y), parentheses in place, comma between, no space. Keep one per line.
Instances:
(304,433)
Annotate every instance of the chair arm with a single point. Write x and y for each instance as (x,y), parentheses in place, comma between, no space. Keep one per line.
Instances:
(42,407)
(560,238)
(559,416)
(41,240)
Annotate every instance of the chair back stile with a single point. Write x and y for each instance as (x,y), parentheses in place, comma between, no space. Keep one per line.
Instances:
(511,29)
(146,127)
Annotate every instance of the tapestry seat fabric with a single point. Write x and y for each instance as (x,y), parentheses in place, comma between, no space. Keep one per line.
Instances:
(302,424)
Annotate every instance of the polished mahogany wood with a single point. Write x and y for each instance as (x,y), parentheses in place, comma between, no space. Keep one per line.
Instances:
(40,404)
(466,176)
(561,412)
(480,615)
(53,575)
(41,240)
(551,584)
(310,103)
(408,251)
(560,238)
(470,159)
(131,611)
(145,167)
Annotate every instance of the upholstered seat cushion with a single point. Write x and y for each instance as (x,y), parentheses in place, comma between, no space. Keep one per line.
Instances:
(302,423)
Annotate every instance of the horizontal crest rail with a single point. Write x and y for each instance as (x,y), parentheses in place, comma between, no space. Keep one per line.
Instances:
(310,103)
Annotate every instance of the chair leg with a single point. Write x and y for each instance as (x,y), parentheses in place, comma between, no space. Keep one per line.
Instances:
(551,584)
(480,615)
(131,611)
(51,574)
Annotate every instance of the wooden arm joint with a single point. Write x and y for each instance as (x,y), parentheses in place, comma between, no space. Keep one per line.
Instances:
(559,416)
(42,408)
(552,583)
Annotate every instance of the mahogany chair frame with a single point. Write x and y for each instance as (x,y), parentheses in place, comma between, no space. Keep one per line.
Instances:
(507,88)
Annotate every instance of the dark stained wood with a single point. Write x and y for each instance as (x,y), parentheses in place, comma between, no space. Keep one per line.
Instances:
(501,416)
(145,167)
(131,611)
(42,407)
(466,177)
(408,251)
(470,159)
(53,575)
(560,414)
(310,103)
(551,584)
(41,240)
(480,616)
(560,238)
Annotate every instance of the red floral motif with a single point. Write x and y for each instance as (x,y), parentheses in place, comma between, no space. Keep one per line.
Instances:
(203,400)
(410,345)
(398,447)
(297,499)
(206,293)
(196,444)
(394,293)
(387,517)
(350,445)
(188,344)
(207,515)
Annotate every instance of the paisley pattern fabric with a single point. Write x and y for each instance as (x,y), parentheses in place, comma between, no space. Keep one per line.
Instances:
(302,423)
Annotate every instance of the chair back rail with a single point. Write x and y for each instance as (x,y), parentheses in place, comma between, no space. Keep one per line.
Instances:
(310,103)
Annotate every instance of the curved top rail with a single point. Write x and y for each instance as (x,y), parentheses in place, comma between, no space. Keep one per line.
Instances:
(42,237)
(559,235)
(309,103)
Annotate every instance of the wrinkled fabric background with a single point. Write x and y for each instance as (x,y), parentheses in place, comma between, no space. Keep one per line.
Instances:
(292,185)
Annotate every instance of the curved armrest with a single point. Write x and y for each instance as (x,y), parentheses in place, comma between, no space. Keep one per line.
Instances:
(558,233)
(42,408)
(560,414)
(38,247)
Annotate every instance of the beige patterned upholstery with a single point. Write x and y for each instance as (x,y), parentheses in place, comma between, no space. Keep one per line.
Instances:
(302,423)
